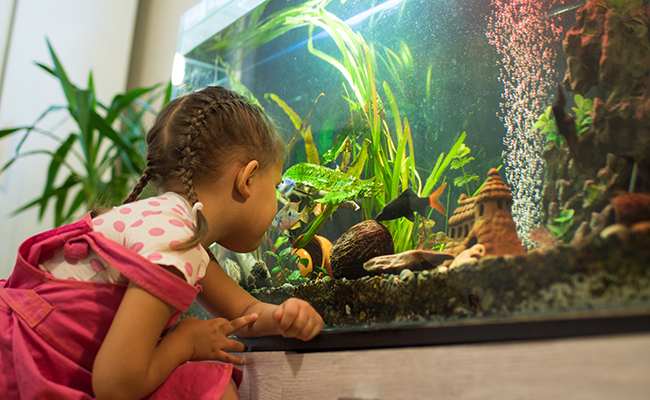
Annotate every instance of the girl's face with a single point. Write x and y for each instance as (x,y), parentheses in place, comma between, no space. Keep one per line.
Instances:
(257,214)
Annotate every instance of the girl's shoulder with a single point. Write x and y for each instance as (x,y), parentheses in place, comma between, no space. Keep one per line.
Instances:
(169,201)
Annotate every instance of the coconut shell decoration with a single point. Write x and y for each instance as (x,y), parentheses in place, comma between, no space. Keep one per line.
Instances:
(365,240)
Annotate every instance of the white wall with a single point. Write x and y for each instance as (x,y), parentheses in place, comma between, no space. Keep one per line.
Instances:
(154,44)
(127,44)
(86,35)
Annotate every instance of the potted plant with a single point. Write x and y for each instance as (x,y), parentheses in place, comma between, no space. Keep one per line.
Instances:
(100,161)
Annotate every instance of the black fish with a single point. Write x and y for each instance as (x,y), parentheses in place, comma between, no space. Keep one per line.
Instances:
(408,202)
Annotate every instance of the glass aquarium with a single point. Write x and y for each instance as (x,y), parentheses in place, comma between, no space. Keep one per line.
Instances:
(449,160)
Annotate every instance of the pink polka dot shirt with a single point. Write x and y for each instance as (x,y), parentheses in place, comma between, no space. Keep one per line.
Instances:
(150,227)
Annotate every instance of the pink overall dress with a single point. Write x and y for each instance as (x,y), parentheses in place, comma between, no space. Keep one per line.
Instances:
(51,329)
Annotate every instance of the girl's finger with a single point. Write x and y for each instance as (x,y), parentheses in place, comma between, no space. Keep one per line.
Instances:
(315,329)
(229,358)
(297,325)
(234,345)
(238,323)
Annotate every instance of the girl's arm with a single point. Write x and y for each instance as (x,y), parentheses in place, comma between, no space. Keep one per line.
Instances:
(133,361)
(222,296)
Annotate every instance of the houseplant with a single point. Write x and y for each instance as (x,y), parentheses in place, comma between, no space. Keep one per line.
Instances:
(99,162)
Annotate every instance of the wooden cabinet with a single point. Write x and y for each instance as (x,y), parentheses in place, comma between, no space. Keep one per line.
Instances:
(598,367)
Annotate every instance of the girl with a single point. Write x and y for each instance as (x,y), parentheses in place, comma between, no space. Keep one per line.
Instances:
(83,313)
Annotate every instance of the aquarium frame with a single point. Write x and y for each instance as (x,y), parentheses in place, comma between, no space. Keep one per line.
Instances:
(207,18)
(482,330)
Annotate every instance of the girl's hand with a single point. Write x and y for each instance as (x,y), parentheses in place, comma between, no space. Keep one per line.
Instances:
(295,318)
(209,338)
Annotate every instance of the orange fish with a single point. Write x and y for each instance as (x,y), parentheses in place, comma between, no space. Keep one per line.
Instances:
(407,203)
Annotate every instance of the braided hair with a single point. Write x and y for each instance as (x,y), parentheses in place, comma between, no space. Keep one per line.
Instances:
(196,136)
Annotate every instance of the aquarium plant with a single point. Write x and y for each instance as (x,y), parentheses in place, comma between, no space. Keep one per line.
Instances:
(102,159)
(337,186)
(302,128)
(391,162)
(285,270)
(582,117)
(460,160)
(563,224)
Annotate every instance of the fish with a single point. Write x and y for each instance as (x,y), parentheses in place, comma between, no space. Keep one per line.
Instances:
(286,186)
(407,203)
(566,126)
(543,238)
(289,216)
(563,10)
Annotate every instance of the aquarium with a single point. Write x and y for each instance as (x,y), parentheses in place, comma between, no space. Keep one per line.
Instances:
(449,160)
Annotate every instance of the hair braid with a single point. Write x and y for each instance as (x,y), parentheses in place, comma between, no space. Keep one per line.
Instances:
(137,189)
(186,172)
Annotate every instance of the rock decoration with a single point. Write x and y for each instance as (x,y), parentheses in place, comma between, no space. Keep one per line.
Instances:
(259,277)
(414,260)
(485,219)
(234,270)
(365,240)
(631,208)
(609,49)
(469,256)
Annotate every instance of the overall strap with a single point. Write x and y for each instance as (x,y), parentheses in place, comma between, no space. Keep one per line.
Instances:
(154,279)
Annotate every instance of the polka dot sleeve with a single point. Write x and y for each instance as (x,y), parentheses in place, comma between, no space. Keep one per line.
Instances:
(151,227)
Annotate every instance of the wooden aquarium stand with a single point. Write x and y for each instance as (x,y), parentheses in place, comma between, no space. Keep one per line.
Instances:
(603,355)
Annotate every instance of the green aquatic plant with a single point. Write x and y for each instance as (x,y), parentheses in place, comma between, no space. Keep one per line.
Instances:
(286,261)
(391,162)
(99,163)
(338,187)
(563,224)
(582,117)
(238,40)
(459,162)
(302,129)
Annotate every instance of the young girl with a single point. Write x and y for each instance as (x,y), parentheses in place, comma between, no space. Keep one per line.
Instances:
(84,313)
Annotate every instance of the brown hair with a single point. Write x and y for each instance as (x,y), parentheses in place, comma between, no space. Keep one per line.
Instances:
(197,135)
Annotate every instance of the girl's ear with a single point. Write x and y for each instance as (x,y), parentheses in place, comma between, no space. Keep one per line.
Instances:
(243,180)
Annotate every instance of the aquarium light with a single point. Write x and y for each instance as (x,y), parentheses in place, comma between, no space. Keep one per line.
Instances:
(178,69)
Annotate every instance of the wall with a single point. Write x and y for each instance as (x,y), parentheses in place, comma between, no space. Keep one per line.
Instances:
(102,36)
(154,44)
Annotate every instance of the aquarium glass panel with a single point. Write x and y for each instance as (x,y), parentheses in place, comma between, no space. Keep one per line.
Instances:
(449,160)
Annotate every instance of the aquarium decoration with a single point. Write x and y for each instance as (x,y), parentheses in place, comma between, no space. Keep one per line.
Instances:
(360,243)
(486,220)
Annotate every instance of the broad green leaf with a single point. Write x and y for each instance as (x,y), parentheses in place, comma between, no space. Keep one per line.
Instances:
(329,180)
(565,215)
(359,162)
(106,130)
(441,166)
(76,203)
